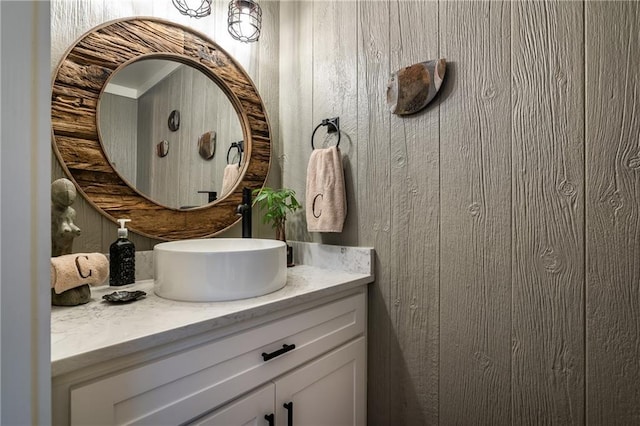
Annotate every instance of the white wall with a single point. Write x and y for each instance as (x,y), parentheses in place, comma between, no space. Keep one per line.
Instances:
(24,213)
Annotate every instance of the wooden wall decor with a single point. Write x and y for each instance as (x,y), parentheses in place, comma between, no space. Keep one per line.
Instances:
(174,120)
(162,148)
(78,84)
(411,88)
(207,145)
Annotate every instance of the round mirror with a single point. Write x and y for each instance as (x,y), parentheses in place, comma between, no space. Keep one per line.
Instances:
(162,101)
(81,141)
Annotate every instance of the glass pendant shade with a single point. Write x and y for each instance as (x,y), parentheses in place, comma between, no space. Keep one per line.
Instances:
(193,8)
(245,20)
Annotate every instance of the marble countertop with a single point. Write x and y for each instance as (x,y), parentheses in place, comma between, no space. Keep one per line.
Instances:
(98,331)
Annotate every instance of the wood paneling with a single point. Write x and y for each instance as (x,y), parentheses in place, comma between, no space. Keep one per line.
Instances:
(296,82)
(267,80)
(613,212)
(548,212)
(478,206)
(176,179)
(118,121)
(374,198)
(335,71)
(475,222)
(414,265)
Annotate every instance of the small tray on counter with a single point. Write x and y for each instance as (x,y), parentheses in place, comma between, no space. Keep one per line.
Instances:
(124,296)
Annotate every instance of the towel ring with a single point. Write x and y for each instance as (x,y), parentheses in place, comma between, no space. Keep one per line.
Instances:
(334,122)
(239,146)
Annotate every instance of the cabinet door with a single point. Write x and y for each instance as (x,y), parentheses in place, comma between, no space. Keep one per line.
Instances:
(330,391)
(249,410)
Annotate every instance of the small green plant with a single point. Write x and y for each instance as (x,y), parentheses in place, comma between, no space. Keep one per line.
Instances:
(276,203)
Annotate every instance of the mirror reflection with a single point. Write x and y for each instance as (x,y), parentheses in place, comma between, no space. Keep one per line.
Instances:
(155,116)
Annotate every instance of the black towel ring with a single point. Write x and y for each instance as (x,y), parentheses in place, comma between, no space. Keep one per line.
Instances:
(333,122)
(239,146)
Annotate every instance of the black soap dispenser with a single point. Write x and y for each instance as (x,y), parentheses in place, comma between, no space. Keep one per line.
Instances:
(122,258)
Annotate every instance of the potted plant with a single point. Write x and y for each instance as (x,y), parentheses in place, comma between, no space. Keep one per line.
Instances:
(277,203)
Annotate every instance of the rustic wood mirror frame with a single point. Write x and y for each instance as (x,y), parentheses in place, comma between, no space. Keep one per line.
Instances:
(78,83)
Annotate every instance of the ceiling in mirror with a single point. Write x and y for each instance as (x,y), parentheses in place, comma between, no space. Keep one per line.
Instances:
(160,101)
(135,79)
(79,136)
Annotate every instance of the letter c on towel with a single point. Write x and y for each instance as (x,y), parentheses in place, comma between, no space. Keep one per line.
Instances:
(80,269)
(313,206)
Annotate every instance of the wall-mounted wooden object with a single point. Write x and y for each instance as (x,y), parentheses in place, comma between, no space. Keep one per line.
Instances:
(162,148)
(410,89)
(174,120)
(207,145)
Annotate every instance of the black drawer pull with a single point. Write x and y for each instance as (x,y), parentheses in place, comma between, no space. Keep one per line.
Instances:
(270,419)
(289,407)
(285,348)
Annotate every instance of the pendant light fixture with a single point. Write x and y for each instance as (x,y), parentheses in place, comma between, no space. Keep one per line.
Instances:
(193,8)
(245,20)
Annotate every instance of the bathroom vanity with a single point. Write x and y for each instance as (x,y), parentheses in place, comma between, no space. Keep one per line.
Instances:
(292,357)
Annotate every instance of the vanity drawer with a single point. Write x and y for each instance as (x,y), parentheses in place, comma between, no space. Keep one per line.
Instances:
(182,386)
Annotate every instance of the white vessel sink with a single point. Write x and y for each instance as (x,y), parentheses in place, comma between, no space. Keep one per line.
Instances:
(209,270)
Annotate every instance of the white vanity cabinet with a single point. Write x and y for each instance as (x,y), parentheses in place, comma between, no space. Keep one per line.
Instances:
(328,391)
(312,357)
(254,409)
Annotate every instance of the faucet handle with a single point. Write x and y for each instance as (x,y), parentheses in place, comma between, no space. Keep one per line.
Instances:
(241,209)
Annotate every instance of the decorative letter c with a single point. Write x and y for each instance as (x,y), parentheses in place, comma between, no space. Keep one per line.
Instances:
(80,269)
(313,206)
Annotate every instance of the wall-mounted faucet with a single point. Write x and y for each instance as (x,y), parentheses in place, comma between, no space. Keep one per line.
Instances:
(244,209)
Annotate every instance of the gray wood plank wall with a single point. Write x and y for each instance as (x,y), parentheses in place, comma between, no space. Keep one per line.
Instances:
(612,160)
(118,125)
(475,211)
(505,216)
(175,180)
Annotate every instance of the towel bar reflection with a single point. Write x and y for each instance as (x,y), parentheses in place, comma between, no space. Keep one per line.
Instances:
(240,147)
(333,126)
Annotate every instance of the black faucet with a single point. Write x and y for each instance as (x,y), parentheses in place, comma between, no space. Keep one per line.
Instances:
(211,195)
(244,209)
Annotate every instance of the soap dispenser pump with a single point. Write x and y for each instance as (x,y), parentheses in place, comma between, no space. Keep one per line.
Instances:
(122,258)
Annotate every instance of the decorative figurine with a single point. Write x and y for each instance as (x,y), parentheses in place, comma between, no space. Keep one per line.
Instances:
(63,231)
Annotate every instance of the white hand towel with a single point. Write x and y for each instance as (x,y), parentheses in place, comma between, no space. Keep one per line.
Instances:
(326,202)
(229,178)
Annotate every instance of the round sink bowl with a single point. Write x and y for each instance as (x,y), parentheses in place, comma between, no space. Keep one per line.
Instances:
(218,269)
